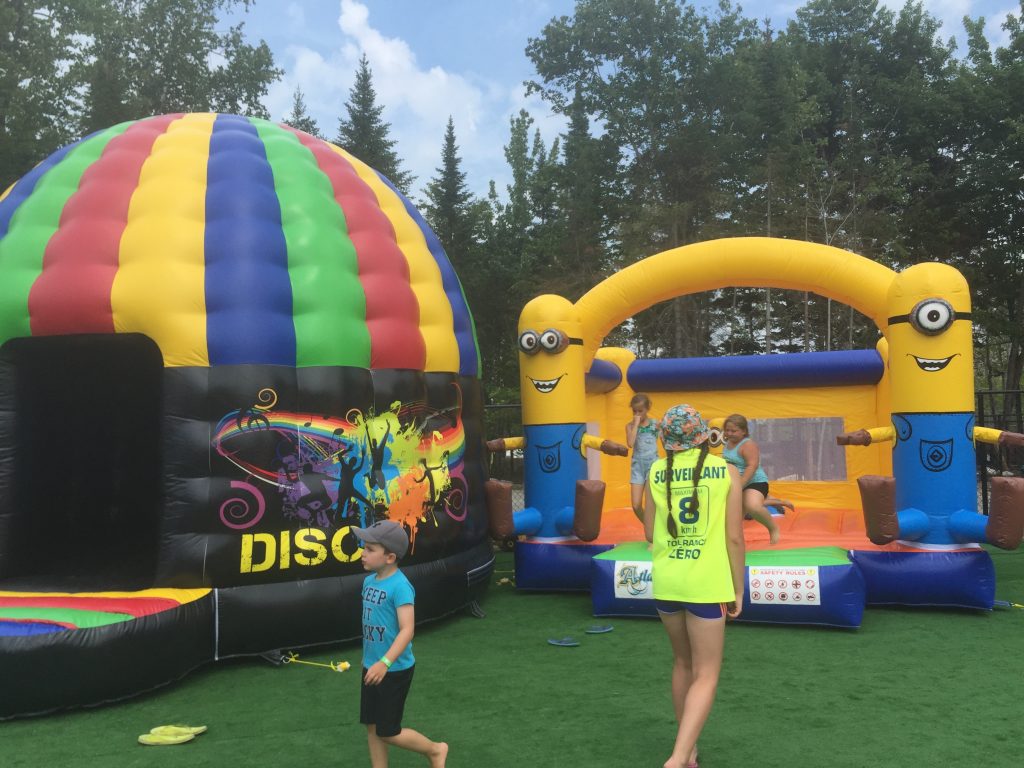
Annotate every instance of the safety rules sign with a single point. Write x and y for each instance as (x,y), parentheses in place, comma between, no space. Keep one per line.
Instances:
(784,585)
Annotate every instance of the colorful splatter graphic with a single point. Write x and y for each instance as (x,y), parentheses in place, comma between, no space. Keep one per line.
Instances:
(405,464)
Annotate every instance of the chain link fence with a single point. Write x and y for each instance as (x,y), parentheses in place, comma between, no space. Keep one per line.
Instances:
(506,421)
(998,409)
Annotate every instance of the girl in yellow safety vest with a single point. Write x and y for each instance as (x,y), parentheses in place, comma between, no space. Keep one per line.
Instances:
(694,518)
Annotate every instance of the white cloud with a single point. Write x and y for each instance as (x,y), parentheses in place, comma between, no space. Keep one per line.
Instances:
(417,100)
(996,35)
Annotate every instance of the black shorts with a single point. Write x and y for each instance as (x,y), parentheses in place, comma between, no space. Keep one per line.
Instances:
(383,704)
(761,488)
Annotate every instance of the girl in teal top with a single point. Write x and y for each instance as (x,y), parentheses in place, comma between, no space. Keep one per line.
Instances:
(740,450)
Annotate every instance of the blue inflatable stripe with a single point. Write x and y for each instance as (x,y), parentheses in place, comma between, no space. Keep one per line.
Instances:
(603,376)
(25,628)
(798,369)
(27,184)
(465,332)
(248,288)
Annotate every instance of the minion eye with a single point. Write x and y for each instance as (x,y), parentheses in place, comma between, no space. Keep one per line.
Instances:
(714,437)
(932,316)
(529,342)
(553,340)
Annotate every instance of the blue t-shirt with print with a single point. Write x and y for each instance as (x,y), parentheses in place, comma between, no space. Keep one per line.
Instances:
(381,598)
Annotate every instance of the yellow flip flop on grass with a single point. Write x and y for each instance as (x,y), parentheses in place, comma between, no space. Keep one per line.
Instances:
(168,735)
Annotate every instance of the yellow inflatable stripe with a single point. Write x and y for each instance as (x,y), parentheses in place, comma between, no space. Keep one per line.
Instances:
(182,596)
(160,288)
(741,262)
(7,192)
(437,323)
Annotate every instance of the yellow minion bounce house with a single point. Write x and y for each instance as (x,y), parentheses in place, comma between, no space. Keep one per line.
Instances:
(225,343)
(888,513)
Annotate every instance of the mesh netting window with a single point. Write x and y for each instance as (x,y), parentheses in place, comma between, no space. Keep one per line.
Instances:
(800,449)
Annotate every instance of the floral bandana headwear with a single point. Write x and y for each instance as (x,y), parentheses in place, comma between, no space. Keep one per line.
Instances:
(683,428)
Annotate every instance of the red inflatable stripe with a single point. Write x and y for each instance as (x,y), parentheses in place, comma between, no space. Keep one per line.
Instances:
(133,606)
(392,311)
(72,293)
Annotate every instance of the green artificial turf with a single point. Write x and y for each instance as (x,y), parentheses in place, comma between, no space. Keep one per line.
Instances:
(910,688)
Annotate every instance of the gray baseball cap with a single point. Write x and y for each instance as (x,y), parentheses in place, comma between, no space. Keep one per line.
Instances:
(388,534)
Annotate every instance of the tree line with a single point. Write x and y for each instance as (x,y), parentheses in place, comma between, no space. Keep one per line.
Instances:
(855,125)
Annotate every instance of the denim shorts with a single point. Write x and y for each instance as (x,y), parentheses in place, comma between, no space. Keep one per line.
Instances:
(640,468)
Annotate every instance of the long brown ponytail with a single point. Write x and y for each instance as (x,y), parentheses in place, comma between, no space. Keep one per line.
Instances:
(673,528)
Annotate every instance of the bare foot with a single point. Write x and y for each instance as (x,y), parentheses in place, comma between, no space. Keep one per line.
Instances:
(788,505)
(438,757)
(774,535)
(693,758)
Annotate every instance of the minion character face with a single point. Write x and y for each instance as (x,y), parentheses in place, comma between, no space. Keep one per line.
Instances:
(931,359)
(551,362)
(716,441)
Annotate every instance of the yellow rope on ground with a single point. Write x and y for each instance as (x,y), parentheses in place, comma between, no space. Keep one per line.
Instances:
(334,666)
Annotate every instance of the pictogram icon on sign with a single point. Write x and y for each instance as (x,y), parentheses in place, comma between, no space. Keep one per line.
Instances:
(783,597)
(796,597)
(810,595)
(769,596)
(755,582)
(809,583)
(769,583)
(755,595)
(783,583)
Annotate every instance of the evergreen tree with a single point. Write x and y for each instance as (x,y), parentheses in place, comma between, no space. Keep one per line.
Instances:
(300,118)
(365,134)
(449,207)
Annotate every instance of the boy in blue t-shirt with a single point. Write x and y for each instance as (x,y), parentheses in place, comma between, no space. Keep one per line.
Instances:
(388,664)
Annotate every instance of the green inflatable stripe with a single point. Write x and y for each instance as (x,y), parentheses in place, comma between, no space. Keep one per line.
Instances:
(631,550)
(75,616)
(32,226)
(637,550)
(328,303)
(799,557)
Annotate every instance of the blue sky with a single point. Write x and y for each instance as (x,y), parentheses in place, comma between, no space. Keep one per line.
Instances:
(463,58)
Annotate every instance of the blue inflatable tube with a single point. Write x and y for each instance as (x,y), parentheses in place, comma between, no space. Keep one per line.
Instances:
(562,566)
(799,369)
(954,579)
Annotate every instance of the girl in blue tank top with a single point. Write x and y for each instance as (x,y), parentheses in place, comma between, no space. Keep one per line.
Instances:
(642,440)
(740,450)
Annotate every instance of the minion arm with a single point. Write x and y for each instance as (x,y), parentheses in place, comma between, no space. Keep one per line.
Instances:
(866,436)
(604,446)
(505,444)
(998,436)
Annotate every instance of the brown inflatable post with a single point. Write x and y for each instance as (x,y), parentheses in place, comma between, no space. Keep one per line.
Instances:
(1006,519)
(589,500)
(878,498)
(499,508)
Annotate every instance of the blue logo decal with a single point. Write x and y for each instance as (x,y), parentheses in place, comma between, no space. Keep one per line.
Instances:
(550,457)
(936,455)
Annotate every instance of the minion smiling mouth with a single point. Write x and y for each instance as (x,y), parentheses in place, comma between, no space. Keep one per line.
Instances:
(544,386)
(932,365)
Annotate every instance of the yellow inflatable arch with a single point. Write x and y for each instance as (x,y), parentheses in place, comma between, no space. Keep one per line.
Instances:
(760,262)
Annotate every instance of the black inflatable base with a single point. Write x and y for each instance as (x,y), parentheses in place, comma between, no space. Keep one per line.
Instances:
(44,673)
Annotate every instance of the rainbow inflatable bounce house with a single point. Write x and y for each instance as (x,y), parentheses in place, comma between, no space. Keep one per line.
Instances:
(225,343)
(893,520)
